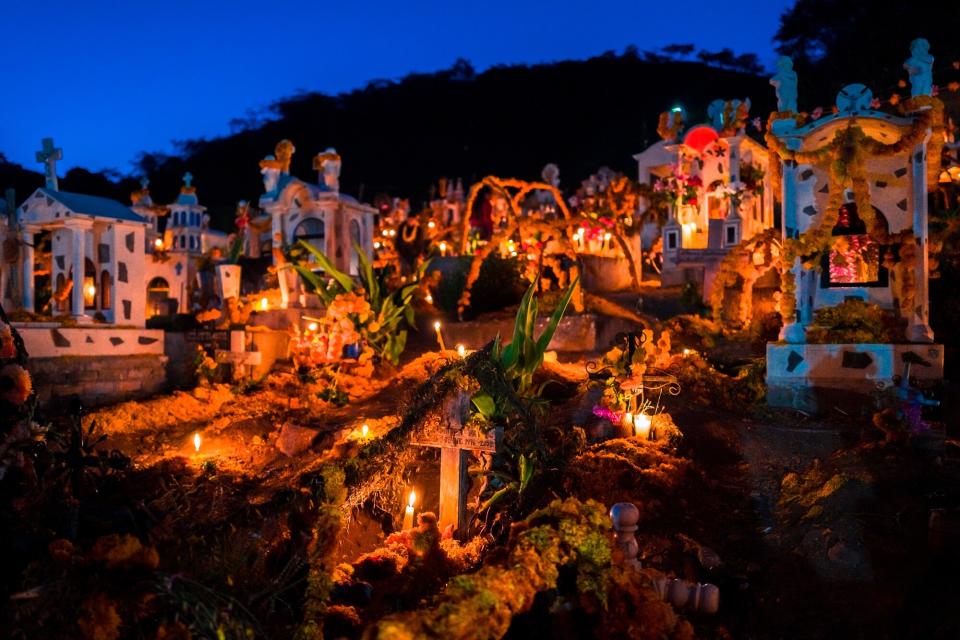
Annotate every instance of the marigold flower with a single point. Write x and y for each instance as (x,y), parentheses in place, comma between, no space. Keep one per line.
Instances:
(15,384)
(7,348)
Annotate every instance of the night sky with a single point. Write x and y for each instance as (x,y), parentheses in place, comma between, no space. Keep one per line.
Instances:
(110,79)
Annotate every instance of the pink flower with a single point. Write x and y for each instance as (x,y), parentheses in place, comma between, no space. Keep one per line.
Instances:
(816,113)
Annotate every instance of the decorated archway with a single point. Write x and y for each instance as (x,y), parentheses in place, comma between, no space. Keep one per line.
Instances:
(514,191)
(749,261)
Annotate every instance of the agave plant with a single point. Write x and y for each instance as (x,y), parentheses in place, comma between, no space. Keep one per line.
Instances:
(523,356)
(388,308)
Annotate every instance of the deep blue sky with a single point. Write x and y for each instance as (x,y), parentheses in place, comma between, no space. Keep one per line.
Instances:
(109,79)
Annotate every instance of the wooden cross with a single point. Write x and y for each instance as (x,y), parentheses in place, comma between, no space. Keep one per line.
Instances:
(48,156)
(447,431)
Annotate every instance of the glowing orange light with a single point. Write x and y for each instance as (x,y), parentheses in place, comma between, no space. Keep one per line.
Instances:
(158,243)
(412,499)
(461,350)
(196,442)
(264,304)
(364,430)
(312,326)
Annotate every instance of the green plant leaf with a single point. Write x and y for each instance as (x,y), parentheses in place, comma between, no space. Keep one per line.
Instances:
(544,340)
(526,471)
(324,263)
(485,404)
(498,496)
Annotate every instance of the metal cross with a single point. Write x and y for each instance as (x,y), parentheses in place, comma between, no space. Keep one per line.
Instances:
(188,179)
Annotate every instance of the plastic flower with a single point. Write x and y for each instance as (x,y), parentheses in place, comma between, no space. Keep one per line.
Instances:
(15,384)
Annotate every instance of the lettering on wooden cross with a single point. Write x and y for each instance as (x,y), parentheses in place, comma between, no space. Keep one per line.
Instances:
(447,430)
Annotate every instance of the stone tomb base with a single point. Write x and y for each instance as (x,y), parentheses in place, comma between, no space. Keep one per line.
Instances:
(583,332)
(817,377)
(99,380)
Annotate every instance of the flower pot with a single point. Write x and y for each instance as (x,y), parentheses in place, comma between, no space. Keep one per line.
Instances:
(228,280)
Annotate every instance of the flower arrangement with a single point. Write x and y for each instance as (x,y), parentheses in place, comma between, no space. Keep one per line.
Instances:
(368,313)
(205,367)
(681,188)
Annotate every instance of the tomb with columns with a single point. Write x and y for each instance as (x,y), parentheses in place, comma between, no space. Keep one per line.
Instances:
(91,252)
(855,245)
(717,181)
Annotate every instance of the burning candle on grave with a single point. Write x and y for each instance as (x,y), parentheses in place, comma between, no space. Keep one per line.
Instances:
(312,326)
(408,513)
(196,442)
(627,420)
(264,304)
(428,298)
(461,351)
(641,426)
(443,248)
(158,244)
(436,327)
(364,431)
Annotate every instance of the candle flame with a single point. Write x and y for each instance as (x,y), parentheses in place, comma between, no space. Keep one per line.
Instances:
(91,290)
(436,326)
(158,243)
(461,350)
(196,441)
(429,298)
(412,499)
(443,247)
(364,430)
(312,326)
(431,224)
(264,304)
(641,424)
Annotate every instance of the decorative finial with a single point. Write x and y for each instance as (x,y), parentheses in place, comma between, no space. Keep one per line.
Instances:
(785,82)
(48,156)
(920,67)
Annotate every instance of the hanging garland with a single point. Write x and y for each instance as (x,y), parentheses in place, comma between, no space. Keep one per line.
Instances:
(845,161)
(739,263)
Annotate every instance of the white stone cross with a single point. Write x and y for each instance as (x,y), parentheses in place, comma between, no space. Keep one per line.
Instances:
(48,156)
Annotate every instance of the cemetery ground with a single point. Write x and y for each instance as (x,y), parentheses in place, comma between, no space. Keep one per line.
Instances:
(810,527)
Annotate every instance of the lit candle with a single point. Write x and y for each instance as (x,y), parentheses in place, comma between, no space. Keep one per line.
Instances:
(436,327)
(428,298)
(364,430)
(408,514)
(641,426)
(158,244)
(264,304)
(196,442)
(91,290)
(312,326)
(687,352)
(461,350)
(443,248)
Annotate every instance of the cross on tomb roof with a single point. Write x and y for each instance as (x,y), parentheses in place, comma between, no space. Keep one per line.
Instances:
(48,156)
(188,179)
